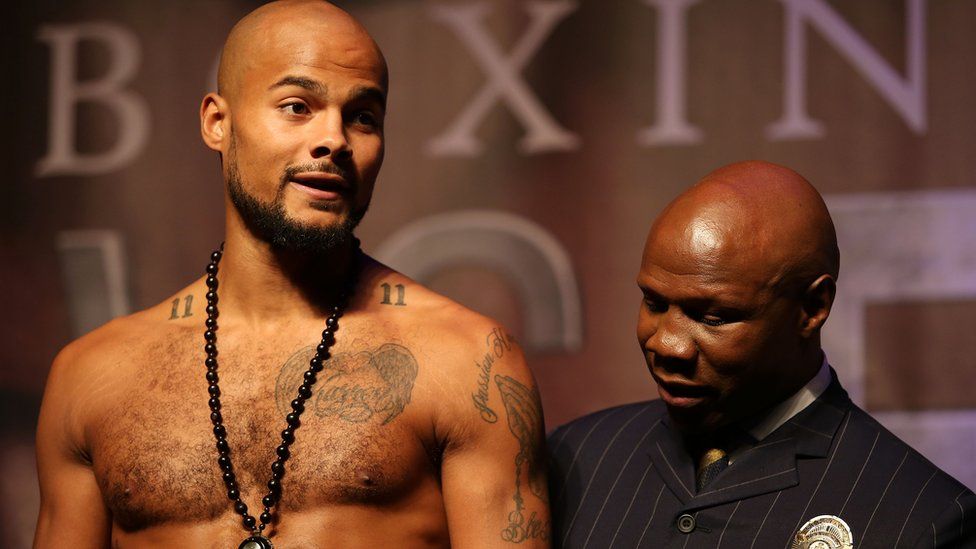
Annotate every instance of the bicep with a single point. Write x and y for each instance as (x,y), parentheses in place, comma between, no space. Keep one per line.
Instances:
(72,512)
(493,475)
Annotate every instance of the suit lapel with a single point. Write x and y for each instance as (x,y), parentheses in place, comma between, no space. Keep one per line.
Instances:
(673,464)
(770,465)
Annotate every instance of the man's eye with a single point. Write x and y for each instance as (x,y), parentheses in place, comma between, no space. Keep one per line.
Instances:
(365,118)
(720,317)
(300,109)
(712,320)
(655,306)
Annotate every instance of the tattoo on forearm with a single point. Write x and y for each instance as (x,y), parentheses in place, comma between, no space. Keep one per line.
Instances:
(401,294)
(525,422)
(354,387)
(187,307)
(498,342)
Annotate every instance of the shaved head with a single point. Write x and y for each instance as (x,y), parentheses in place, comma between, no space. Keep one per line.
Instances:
(294,25)
(761,216)
(738,277)
(298,123)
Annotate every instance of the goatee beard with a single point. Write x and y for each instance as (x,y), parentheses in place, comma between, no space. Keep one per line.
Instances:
(270,223)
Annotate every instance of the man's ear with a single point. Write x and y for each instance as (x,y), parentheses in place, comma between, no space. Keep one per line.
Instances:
(818,298)
(215,122)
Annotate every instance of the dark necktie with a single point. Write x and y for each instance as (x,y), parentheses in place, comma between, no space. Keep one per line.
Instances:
(712,462)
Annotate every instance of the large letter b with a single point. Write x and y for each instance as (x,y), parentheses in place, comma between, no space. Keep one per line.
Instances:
(132,114)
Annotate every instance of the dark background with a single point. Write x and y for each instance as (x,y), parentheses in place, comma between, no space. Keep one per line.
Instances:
(79,248)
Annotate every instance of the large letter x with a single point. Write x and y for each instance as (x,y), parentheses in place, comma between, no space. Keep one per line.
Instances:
(543,134)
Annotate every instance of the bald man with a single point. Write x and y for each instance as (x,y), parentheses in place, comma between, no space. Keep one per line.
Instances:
(299,394)
(753,443)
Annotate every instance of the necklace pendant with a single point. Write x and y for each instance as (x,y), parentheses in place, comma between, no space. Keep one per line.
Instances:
(256,541)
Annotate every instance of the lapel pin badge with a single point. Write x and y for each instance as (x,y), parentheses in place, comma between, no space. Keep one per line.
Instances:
(824,532)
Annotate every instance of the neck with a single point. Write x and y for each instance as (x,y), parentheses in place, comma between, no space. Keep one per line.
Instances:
(806,367)
(259,283)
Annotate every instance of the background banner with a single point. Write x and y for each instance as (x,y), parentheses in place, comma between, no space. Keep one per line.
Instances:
(529,145)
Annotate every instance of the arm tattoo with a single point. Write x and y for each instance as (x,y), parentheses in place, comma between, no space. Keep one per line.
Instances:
(354,387)
(499,343)
(525,422)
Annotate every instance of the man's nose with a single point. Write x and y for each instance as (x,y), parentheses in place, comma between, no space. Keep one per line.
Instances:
(329,137)
(671,341)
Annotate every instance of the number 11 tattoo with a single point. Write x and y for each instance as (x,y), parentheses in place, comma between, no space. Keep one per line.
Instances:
(187,305)
(401,293)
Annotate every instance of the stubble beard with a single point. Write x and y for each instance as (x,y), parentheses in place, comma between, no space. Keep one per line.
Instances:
(271,223)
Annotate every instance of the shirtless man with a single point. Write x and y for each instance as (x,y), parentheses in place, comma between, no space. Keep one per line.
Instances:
(422,429)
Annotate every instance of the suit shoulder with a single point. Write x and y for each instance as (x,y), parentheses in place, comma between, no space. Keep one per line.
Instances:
(598,427)
(941,488)
(615,415)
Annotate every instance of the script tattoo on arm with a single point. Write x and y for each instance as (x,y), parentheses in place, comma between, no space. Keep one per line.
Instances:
(525,422)
(354,387)
(498,343)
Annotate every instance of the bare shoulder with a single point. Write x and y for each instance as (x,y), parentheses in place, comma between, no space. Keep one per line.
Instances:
(439,325)
(86,370)
(110,345)
(476,367)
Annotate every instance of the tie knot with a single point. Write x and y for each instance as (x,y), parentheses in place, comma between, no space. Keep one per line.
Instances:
(710,456)
(712,462)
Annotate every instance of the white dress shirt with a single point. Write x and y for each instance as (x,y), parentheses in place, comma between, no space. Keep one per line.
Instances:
(781,413)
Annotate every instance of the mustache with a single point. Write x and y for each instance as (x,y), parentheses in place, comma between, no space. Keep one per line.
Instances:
(321,167)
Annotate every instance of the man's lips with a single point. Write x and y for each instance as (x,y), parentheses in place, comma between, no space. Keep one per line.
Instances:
(320,185)
(681,394)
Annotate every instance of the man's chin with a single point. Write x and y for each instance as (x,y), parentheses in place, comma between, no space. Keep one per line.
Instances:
(318,223)
(315,234)
(321,217)
(304,226)
(324,214)
(694,422)
(318,212)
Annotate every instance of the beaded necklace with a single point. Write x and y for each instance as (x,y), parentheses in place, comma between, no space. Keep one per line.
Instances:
(256,527)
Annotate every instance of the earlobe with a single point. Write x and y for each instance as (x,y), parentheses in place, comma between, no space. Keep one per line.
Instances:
(214,121)
(818,298)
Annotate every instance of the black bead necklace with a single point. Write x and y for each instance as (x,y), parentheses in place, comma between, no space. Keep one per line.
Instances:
(257,540)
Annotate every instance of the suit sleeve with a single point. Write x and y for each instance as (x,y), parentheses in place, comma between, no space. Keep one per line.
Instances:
(557,464)
(955,527)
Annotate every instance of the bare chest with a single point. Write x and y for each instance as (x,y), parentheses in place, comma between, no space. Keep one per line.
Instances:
(154,452)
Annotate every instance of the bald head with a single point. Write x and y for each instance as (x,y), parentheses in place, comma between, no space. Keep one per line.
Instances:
(738,277)
(302,90)
(754,217)
(300,28)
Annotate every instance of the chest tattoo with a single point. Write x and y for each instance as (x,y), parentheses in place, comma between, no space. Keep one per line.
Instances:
(372,384)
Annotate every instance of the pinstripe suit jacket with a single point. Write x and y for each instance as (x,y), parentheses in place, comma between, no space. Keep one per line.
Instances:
(621,478)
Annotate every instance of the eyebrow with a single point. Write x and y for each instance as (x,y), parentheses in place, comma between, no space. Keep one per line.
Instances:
(313,86)
(369,93)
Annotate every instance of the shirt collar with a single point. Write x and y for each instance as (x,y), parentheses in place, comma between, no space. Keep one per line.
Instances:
(784,411)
